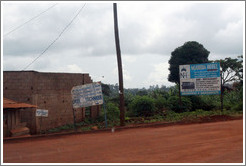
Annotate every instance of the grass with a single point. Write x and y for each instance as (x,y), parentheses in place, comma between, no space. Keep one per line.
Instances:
(169,116)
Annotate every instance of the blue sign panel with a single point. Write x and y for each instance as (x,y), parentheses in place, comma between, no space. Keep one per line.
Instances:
(200,79)
(206,70)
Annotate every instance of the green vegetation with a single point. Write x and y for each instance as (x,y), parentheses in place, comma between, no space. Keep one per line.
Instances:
(142,106)
(161,104)
(173,104)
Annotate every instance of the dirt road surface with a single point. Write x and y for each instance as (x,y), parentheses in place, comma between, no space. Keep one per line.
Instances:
(217,142)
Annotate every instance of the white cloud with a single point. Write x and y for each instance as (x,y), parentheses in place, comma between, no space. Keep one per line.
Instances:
(228,31)
(126,75)
(74,68)
(129,58)
(229,40)
(159,75)
(149,32)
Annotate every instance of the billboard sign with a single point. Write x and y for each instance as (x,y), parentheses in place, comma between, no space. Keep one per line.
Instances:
(41,112)
(87,95)
(200,79)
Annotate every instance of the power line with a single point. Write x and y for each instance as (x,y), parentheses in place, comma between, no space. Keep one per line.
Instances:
(28,21)
(56,38)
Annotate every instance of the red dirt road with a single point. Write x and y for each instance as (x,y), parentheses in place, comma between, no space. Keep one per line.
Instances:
(218,142)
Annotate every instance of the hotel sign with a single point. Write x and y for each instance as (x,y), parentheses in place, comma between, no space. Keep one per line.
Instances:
(200,79)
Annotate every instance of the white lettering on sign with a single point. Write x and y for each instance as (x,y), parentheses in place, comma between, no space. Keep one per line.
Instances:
(87,95)
(212,66)
(198,67)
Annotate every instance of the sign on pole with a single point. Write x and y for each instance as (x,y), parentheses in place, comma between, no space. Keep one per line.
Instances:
(200,79)
(42,112)
(87,95)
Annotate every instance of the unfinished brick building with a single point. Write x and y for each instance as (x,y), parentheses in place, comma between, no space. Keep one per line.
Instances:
(50,91)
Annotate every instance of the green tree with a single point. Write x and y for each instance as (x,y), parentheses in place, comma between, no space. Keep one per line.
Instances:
(191,52)
(142,92)
(231,71)
(106,89)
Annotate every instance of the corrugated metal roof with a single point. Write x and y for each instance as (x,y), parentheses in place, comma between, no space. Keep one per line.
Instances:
(7,103)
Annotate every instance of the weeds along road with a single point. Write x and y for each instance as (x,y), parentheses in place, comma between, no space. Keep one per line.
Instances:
(218,142)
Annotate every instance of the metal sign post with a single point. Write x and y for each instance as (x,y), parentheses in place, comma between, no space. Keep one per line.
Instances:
(87,95)
(221,94)
(40,120)
(74,120)
(105,113)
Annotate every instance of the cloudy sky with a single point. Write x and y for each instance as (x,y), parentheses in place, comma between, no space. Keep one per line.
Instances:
(149,32)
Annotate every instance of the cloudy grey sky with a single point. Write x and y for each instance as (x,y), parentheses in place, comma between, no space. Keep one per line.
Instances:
(149,32)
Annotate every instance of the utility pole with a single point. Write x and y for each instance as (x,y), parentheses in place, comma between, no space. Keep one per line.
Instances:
(121,89)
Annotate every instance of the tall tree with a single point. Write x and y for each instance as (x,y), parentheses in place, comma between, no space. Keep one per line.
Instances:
(191,52)
(106,89)
(231,71)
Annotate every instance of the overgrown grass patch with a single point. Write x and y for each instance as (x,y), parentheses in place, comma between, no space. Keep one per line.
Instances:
(168,116)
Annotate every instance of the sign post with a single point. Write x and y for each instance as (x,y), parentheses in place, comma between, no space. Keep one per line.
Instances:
(105,114)
(74,120)
(87,95)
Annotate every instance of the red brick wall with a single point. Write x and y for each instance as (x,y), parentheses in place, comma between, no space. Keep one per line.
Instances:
(51,91)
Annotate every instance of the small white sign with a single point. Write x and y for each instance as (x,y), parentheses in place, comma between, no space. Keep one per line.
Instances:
(41,112)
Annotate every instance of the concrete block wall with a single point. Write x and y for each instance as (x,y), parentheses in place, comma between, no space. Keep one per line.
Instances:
(51,91)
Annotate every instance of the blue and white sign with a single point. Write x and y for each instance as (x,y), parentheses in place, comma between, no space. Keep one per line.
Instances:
(42,112)
(87,95)
(199,79)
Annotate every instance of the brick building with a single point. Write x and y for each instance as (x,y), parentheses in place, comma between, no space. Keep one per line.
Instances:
(50,91)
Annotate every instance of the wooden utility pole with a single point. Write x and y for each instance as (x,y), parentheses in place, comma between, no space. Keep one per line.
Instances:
(121,89)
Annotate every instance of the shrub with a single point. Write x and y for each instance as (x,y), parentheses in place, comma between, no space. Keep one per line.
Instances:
(238,106)
(197,103)
(143,106)
(160,104)
(66,127)
(173,104)
(113,112)
(210,102)
(234,100)
(173,116)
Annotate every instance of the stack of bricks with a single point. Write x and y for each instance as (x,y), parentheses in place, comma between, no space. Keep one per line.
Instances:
(50,91)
